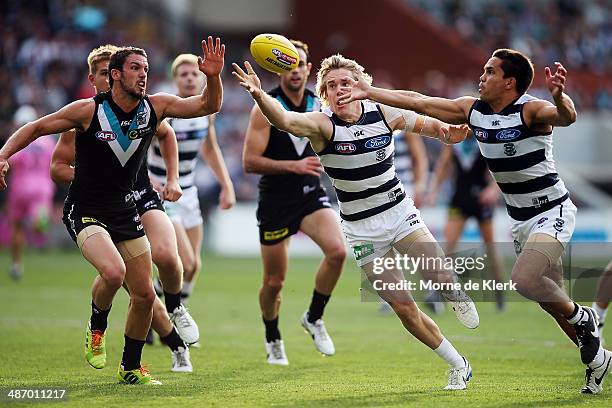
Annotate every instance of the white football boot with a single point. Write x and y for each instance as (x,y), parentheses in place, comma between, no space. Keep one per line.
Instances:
(276,355)
(464,308)
(458,377)
(185,325)
(318,332)
(596,376)
(181,361)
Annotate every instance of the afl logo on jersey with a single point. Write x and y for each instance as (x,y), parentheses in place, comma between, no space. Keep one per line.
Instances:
(377,142)
(345,148)
(105,136)
(480,134)
(508,134)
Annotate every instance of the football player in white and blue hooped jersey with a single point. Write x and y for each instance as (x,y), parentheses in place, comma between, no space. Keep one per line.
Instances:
(514,133)
(194,136)
(355,144)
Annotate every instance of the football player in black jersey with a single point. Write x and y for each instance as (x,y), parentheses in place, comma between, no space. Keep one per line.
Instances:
(291,199)
(113,131)
(157,227)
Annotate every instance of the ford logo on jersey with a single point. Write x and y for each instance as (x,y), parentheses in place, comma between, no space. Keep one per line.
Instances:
(508,134)
(377,142)
(345,148)
(480,134)
(105,136)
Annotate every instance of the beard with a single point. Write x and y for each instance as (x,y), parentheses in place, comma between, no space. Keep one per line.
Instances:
(292,87)
(131,91)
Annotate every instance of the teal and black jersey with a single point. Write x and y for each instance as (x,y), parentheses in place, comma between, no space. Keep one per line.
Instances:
(110,152)
(285,146)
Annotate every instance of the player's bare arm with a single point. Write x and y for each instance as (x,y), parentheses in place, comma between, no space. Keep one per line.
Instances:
(76,115)
(562,112)
(213,157)
(169,151)
(453,111)
(406,120)
(316,126)
(209,102)
(256,140)
(440,174)
(62,160)
(420,165)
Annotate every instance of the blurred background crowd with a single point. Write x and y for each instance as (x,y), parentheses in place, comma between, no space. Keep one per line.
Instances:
(44,45)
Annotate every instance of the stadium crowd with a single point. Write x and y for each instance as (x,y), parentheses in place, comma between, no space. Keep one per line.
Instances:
(44,45)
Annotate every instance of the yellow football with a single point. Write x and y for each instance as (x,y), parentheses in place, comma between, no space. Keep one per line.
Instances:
(274,53)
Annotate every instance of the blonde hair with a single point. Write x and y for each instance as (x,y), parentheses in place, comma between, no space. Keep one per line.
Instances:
(99,54)
(183,59)
(338,62)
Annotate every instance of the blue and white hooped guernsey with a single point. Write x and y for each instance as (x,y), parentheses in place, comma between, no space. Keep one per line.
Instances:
(520,159)
(359,162)
(190,134)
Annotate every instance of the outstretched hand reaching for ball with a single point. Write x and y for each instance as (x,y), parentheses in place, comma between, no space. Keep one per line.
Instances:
(211,64)
(248,80)
(355,91)
(451,134)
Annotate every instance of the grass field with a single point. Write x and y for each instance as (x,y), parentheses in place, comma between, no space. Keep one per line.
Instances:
(519,357)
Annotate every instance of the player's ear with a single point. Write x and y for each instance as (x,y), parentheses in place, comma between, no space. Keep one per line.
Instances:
(115,74)
(91,78)
(510,83)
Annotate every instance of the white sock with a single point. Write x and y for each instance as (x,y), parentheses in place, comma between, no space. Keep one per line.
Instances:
(599,359)
(187,288)
(581,315)
(601,312)
(447,352)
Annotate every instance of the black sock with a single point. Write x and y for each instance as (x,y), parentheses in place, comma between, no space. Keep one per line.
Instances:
(99,317)
(173,340)
(272,332)
(172,301)
(132,351)
(317,305)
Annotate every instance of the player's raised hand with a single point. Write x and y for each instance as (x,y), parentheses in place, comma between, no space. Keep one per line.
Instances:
(556,82)
(353,90)
(4,167)
(452,134)
(248,80)
(211,64)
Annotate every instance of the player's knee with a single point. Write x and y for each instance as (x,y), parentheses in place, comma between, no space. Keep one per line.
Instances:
(113,275)
(407,311)
(336,254)
(522,281)
(190,265)
(196,265)
(274,283)
(143,297)
(165,258)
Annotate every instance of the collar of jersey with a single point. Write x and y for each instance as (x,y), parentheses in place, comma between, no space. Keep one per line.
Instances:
(124,140)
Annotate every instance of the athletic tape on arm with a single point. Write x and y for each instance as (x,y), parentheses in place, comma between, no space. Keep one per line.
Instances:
(391,113)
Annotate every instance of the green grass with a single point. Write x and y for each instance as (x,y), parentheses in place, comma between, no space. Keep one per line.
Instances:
(520,358)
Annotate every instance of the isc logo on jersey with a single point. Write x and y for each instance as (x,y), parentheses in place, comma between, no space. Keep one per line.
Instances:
(345,148)
(377,142)
(106,136)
